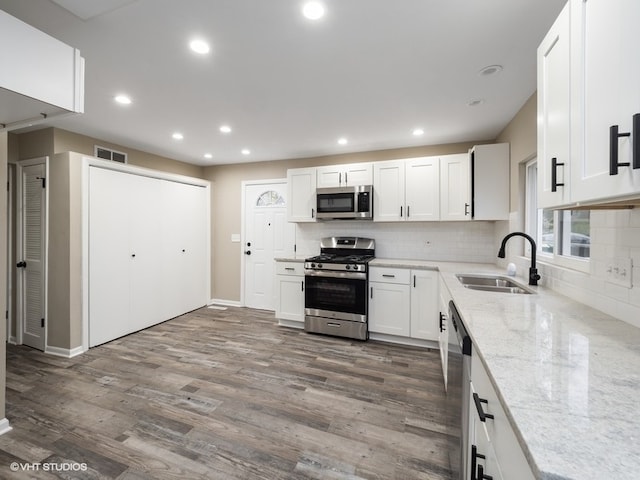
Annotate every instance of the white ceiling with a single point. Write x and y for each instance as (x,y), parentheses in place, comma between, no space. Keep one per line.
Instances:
(370,71)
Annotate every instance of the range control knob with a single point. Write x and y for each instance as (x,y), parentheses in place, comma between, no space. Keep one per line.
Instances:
(348,267)
(313,265)
(319,265)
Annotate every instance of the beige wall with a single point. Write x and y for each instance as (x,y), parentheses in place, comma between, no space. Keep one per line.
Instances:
(4,149)
(226,203)
(521,134)
(65,141)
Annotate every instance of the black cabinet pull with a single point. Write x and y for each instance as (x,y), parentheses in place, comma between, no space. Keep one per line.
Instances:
(442,322)
(302,286)
(554,174)
(481,474)
(408,211)
(371,292)
(400,210)
(479,401)
(474,461)
(387,275)
(636,141)
(466,209)
(313,213)
(614,135)
(414,281)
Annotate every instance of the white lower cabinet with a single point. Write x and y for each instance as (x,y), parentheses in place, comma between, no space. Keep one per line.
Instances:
(443,323)
(403,302)
(290,293)
(493,437)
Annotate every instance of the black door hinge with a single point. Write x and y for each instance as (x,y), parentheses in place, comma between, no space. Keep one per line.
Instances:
(44,181)
(42,322)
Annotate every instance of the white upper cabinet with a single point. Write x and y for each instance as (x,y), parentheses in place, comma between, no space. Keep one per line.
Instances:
(345,175)
(605,96)
(39,75)
(490,182)
(422,189)
(588,97)
(406,190)
(301,185)
(554,115)
(455,187)
(388,191)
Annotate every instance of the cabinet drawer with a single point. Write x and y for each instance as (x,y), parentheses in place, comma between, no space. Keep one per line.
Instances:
(389,275)
(290,268)
(509,454)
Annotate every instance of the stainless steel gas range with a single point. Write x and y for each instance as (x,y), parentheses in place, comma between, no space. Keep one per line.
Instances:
(336,300)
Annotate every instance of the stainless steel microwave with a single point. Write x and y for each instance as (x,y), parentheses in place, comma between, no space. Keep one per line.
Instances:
(345,203)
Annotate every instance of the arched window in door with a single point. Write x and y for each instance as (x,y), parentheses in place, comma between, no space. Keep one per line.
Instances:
(270,198)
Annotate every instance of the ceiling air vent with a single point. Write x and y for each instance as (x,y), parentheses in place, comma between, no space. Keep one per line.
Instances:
(108,154)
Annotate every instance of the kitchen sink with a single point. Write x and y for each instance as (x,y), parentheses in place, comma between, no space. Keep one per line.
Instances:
(492,283)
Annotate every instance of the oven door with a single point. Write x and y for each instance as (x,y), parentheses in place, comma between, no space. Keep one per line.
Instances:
(337,295)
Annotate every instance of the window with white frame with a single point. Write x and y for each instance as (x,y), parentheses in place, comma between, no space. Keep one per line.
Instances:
(562,236)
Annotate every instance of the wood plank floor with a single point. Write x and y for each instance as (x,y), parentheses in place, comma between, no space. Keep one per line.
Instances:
(227,394)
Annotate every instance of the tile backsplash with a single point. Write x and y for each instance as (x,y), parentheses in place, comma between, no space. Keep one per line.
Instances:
(438,241)
(615,234)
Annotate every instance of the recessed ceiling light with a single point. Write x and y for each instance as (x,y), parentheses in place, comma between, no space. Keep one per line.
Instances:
(418,131)
(199,46)
(475,102)
(208,156)
(177,136)
(246,151)
(490,70)
(313,10)
(225,129)
(343,141)
(122,99)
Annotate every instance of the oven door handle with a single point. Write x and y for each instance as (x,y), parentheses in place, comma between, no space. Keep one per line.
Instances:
(335,274)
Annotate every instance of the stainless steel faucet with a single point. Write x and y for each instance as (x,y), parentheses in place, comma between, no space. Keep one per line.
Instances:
(533,271)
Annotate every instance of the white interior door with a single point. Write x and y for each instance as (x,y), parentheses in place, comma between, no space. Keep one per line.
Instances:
(267,235)
(31,255)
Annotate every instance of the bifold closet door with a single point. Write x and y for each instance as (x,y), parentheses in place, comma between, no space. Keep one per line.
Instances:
(184,235)
(110,259)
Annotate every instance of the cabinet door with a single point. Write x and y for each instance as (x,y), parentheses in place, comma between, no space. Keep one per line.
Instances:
(290,297)
(607,73)
(490,182)
(388,191)
(389,309)
(455,187)
(301,186)
(110,259)
(483,461)
(554,114)
(422,184)
(358,174)
(424,305)
(330,176)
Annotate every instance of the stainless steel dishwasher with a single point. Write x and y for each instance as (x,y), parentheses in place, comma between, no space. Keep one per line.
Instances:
(458,386)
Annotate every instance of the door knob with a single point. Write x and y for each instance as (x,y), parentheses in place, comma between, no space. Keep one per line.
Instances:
(248,252)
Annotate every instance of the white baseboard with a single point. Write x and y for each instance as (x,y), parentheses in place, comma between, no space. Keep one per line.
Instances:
(4,426)
(63,352)
(226,303)
(12,340)
(414,342)
(290,323)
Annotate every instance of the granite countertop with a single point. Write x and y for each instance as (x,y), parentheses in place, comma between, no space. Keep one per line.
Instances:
(568,375)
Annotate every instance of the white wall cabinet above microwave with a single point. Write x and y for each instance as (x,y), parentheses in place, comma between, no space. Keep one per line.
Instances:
(345,175)
(41,77)
(593,64)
